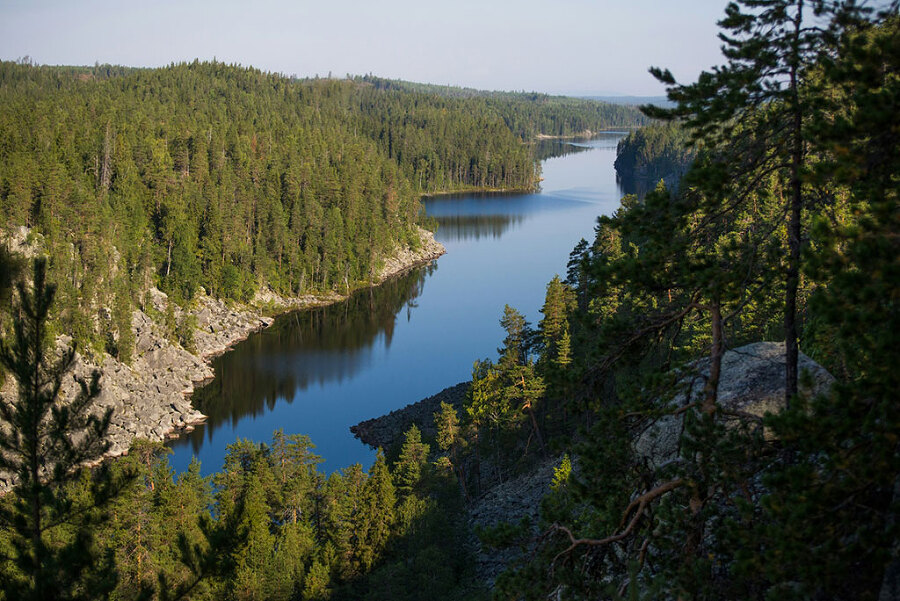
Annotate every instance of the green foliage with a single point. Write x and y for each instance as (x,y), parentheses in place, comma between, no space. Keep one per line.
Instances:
(413,461)
(170,324)
(447,424)
(42,447)
(831,512)
(562,474)
(268,526)
(529,114)
(801,122)
(657,152)
(184,331)
(809,510)
(205,174)
(121,317)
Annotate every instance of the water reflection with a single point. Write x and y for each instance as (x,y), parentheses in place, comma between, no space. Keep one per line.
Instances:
(457,228)
(303,349)
(474,217)
(550,149)
(320,372)
(637,186)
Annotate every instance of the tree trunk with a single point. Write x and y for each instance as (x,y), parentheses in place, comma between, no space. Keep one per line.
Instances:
(106,166)
(711,391)
(169,259)
(792,281)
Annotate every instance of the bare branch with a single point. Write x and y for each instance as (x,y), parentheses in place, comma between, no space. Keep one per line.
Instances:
(637,507)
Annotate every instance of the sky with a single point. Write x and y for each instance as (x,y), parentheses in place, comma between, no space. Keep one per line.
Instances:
(574,47)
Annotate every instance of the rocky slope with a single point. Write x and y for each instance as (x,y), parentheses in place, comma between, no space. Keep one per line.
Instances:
(151,397)
(751,384)
(387,430)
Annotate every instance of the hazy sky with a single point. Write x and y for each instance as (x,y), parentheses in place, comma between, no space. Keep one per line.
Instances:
(556,46)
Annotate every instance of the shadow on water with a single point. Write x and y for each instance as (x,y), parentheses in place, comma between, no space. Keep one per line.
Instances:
(320,371)
(302,349)
(636,186)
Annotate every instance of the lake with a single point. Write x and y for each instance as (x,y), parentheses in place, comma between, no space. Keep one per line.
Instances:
(318,372)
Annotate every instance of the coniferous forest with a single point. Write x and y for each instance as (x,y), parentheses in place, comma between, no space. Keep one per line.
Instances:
(225,177)
(782,231)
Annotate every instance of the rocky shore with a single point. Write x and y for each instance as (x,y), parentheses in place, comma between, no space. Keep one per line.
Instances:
(507,501)
(150,398)
(387,430)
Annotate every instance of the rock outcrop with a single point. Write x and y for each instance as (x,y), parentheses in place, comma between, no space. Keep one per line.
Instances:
(404,259)
(751,383)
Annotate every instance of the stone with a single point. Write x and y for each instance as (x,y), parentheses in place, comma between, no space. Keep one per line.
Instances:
(751,382)
(387,430)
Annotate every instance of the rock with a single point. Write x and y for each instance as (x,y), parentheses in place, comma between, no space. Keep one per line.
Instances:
(203,317)
(389,429)
(158,299)
(751,382)
(22,241)
(406,258)
(509,501)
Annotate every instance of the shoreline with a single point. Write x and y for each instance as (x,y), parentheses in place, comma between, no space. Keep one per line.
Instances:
(151,397)
(589,134)
(267,305)
(384,431)
(480,190)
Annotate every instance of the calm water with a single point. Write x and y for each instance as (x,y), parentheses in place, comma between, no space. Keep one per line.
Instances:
(319,372)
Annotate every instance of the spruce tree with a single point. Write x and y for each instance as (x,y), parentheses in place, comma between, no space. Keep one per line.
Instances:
(413,461)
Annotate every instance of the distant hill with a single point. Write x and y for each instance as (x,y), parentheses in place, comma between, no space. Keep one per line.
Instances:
(530,114)
(633,100)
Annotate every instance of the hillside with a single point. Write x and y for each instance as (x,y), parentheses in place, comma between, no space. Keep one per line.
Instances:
(232,179)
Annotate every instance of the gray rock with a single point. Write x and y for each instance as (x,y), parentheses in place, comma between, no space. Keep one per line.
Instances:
(510,501)
(751,383)
(148,398)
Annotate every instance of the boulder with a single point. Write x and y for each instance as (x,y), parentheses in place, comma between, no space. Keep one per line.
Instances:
(751,383)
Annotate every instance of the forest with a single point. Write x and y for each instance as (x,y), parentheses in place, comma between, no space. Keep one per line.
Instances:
(231,179)
(529,114)
(653,153)
(783,229)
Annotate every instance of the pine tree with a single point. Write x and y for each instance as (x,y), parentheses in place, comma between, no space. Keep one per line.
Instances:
(413,460)
(449,440)
(828,526)
(517,342)
(42,447)
(377,514)
(253,558)
(771,46)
